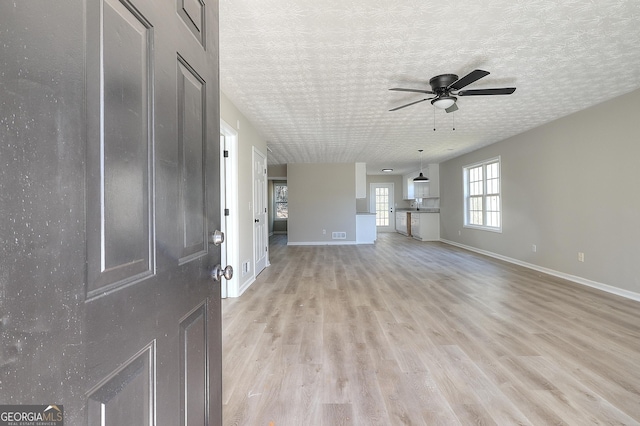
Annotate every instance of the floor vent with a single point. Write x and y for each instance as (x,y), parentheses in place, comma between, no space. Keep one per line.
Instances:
(339,235)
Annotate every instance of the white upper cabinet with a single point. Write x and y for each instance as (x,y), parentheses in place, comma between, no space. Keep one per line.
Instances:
(421,189)
(407,186)
(431,189)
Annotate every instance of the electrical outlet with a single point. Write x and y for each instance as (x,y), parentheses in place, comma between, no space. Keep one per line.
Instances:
(324,232)
(580,256)
(534,248)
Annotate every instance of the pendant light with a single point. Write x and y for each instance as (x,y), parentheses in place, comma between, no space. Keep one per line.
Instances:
(421,177)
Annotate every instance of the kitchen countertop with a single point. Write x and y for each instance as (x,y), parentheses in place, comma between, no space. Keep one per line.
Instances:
(424,210)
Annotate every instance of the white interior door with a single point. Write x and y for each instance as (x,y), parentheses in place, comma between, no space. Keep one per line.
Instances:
(260,229)
(381,203)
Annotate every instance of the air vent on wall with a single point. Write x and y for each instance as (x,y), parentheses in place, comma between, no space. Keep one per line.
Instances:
(339,235)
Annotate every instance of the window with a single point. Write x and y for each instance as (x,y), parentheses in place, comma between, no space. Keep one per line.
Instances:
(280,199)
(482,195)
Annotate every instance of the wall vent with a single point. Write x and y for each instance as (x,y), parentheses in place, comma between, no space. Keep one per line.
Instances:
(339,235)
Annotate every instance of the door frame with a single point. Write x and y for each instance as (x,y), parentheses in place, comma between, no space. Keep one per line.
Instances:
(372,208)
(230,251)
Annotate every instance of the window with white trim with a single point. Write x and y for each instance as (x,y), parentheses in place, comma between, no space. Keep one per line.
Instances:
(281,200)
(482,195)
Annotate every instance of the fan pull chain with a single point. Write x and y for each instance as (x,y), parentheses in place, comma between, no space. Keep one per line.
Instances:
(453,120)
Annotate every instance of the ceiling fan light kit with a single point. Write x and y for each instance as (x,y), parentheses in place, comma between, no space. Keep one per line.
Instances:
(444,102)
(446,87)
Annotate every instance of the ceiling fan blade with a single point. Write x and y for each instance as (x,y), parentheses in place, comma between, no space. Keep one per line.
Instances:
(399,89)
(452,108)
(468,79)
(477,92)
(412,103)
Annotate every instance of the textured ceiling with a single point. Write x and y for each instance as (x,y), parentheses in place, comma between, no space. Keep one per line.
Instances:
(313,75)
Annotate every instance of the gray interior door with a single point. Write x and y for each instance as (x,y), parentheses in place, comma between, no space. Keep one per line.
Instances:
(111,189)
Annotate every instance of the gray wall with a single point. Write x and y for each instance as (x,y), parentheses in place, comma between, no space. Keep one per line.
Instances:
(321,196)
(277,171)
(568,186)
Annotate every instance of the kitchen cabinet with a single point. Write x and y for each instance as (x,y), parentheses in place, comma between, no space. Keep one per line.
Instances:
(407,186)
(366,228)
(421,189)
(431,189)
(425,226)
(401,223)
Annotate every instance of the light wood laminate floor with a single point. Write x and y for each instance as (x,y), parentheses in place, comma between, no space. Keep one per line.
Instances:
(418,333)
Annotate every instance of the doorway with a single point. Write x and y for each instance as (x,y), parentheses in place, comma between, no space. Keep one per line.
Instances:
(381,198)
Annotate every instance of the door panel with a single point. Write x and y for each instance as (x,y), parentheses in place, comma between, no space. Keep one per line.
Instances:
(193,15)
(120,244)
(193,367)
(127,396)
(191,145)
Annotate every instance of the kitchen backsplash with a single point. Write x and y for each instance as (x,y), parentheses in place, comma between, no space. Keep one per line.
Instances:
(427,203)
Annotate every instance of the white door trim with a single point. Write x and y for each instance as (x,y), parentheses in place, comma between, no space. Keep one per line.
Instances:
(372,204)
(230,250)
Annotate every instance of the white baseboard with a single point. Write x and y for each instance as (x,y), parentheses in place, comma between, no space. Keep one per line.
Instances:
(245,285)
(579,280)
(322,243)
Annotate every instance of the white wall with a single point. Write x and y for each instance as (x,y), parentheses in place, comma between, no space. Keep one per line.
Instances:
(248,137)
(568,186)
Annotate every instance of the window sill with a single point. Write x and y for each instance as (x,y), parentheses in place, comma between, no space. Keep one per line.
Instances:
(484,228)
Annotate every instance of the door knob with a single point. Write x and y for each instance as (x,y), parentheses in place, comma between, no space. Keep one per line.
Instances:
(217,272)
(216,237)
(256,220)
